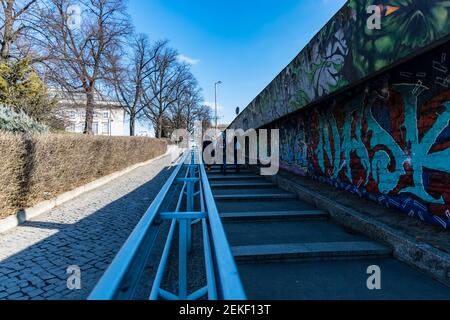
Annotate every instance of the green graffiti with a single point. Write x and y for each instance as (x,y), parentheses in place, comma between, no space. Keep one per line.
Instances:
(420,150)
(344,145)
(293,148)
(381,162)
(346,51)
(324,145)
(387,165)
(356,144)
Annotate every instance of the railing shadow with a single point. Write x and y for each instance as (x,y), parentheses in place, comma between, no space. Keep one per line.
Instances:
(40,271)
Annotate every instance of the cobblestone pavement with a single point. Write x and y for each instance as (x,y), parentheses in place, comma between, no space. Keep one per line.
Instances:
(87,232)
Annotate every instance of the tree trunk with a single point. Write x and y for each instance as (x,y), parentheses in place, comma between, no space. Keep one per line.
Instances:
(132,124)
(7,31)
(89,111)
(159,129)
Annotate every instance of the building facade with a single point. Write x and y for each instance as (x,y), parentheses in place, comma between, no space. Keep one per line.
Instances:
(109,116)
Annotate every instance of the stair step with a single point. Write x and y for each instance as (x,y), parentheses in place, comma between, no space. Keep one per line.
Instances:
(264,205)
(242,185)
(280,215)
(234,177)
(229,171)
(335,280)
(310,251)
(218,166)
(274,196)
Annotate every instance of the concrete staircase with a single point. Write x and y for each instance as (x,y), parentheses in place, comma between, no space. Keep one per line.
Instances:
(288,249)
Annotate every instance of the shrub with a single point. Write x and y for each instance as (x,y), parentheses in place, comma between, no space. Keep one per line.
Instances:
(19,122)
(22,89)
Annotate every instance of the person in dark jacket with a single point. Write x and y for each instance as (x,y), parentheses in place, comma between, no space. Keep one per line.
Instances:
(236,148)
(207,143)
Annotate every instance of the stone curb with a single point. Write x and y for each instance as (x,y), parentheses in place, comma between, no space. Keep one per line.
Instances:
(12,222)
(422,256)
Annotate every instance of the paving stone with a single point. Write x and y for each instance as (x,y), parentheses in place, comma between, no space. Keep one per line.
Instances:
(13,290)
(11,283)
(35,293)
(16,296)
(28,289)
(49,288)
(46,276)
(14,274)
(53,281)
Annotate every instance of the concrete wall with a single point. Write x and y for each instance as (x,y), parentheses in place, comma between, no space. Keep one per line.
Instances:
(368,110)
(387,139)
(346,51)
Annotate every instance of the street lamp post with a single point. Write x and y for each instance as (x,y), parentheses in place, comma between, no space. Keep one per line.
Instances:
(215,102)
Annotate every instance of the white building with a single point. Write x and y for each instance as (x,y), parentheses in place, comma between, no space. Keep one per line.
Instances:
(109,117)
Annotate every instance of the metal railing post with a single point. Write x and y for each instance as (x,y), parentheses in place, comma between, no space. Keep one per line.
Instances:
(190,199)
(182,268)
(223,282)
(185,241)
(121,279)
(227,277)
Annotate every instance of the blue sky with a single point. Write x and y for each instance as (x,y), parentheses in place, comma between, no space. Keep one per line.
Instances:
(243,43)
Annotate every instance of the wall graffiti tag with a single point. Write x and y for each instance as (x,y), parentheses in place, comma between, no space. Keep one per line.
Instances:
(386,139)
(388,142)
(346,51)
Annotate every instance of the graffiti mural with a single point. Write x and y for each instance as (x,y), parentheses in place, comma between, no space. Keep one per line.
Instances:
(346,51)
(294,148)
(387,140)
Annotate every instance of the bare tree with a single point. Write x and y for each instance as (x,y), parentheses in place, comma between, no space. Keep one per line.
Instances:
(127,77)
(77,53)
(203,114)
(15,22)
(183,112)
(177,111)
(162,86)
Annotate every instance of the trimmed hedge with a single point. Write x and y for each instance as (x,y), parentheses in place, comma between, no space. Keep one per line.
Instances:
(34,168)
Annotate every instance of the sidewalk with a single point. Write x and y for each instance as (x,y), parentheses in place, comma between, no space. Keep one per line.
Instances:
(87,231)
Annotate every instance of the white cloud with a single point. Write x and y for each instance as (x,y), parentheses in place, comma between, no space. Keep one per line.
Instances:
(212,106)
(188,60)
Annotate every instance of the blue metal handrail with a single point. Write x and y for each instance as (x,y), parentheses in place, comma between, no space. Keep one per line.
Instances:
(110,283)
(209,263)
(228,276)
(157,291)
(223,281)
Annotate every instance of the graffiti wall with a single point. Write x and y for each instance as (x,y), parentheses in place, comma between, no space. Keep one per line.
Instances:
(346,50)
(387,140)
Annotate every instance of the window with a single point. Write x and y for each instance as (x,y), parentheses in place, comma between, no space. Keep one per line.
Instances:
(71,127)
(105,128)
(105,115)
(80,127)
(71,114)
(95,127)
